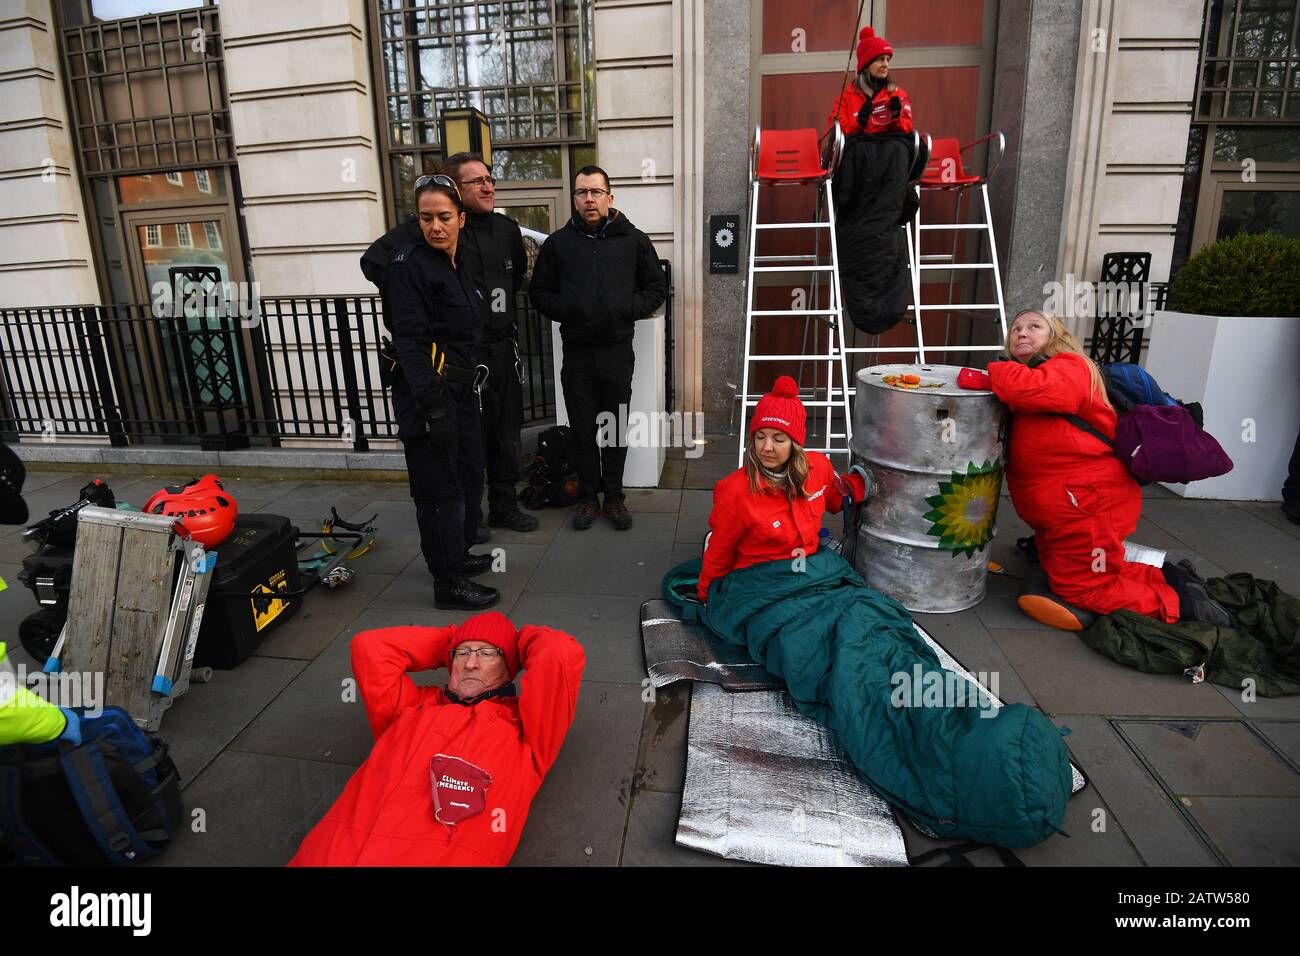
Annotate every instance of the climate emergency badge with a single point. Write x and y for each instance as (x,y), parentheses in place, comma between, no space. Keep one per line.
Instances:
(459,789)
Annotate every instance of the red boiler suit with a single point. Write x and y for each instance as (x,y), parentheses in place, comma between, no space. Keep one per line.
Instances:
(749,529)
(385,815)
(850,103)
(1072,490)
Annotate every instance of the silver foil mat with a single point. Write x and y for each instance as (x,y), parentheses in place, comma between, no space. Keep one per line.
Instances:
(676,651)
(764,783)
(768,785)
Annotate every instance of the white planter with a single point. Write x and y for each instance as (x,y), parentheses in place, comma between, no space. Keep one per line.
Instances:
(645,458)
(1245,372)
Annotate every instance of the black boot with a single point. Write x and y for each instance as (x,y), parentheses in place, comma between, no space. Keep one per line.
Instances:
(457,593)
(1194,601)
(475,564)
(515,521)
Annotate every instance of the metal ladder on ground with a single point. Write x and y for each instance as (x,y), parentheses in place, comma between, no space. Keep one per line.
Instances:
(946,172)
(792,158)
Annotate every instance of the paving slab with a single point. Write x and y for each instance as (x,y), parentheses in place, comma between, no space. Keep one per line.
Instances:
(1212,758)
(308,503)
(397,541)
(1284,735)
(1262,708)
(661,760)
(718,461)
(207,717)
(652,833)
(324,613)
(673,474)
(1135,801)
(653,501)
(1259,831)
(311,719)
(413,588)
(693,520)
(1235,538)
(593,562)
(579,816)
(607,627)
(1271,512)
(256,810)
(1067,677)
(999,608)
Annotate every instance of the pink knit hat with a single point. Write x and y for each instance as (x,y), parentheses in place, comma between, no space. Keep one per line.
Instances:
(782,410)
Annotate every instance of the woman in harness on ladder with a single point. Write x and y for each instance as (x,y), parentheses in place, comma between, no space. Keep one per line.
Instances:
(873,195)
(1081,501)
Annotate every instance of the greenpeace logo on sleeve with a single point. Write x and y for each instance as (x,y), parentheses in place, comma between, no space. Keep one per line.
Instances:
(77,909)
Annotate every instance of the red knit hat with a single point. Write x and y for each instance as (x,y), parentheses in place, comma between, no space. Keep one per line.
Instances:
(491,627)
(871,46)
(782,410)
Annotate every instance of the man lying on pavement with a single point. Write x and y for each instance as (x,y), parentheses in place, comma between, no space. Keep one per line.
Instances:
(453,772)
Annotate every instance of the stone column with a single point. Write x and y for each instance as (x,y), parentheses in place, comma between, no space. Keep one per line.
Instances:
(45,248)
(303,117)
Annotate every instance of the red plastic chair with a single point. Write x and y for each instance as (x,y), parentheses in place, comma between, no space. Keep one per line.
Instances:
(944,170)
(789,155)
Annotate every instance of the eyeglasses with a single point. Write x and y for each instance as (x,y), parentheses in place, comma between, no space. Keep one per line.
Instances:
(593,193)
(484,653)
(480,182)
(437,180)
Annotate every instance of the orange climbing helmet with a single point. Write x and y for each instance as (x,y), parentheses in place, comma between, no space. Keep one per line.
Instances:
(206,511)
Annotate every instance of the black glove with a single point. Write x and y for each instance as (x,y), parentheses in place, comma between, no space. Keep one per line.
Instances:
(864,114)
(895,107)
(435,415)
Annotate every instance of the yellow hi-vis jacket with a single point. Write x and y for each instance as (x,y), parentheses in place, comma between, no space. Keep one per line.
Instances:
(24,717)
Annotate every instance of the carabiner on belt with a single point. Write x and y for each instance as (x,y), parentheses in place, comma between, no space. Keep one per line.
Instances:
(480,379)
(519,362)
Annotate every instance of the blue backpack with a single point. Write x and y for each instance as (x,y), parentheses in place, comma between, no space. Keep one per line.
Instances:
(1128,385)
(115,797)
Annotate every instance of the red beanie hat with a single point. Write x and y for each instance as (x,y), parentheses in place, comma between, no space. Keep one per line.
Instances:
(491,627)
(782,410)
(871,46)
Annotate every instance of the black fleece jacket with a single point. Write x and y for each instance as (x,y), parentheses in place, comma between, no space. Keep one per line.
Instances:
(597,284)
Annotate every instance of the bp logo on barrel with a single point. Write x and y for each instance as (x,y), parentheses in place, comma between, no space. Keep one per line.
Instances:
(965,509)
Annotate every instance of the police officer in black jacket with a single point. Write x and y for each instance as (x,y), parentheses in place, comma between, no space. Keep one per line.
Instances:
(496,259)
(597,276)
(436,315)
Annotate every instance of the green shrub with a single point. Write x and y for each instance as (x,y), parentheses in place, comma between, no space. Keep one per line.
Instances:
(1241,275)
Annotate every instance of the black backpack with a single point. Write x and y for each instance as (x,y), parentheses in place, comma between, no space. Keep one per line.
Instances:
(552,478)
(113,798)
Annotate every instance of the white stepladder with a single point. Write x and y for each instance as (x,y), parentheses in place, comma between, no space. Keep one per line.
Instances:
(136,605)
(792,158)
(946,172)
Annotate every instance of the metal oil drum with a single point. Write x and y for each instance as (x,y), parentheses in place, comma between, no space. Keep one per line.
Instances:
(935,455)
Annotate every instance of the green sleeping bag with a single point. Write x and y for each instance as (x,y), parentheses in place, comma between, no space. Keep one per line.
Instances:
(843,649)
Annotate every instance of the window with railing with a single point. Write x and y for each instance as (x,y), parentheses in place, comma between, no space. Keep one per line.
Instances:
(1243,156)
(147,91)
(527,64)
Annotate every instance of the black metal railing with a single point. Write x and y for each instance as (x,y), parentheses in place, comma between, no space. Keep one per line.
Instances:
(301,369)
(292,370)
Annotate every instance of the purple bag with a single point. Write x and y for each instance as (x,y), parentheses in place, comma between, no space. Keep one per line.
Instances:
(1163,443)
